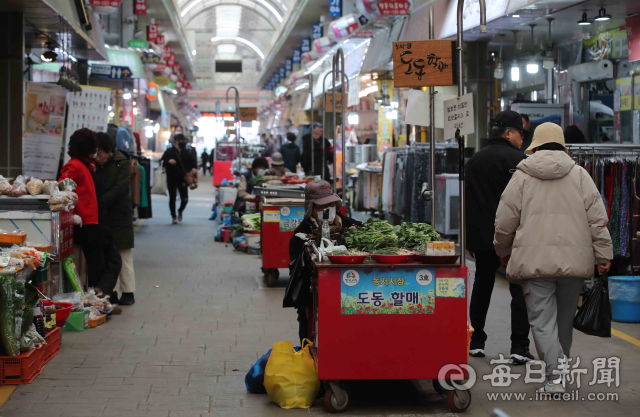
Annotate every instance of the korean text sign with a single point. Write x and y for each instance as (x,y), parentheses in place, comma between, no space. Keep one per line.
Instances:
(290,218)
(424,63)
(140,7)
(335,8)
(388,291)
(458,114)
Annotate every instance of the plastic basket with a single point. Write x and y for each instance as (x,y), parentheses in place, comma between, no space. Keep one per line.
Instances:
(24,368)
(97,322)
(12,238)
(61,314)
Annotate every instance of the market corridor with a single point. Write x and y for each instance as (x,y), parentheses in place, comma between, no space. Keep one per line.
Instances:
(201,320)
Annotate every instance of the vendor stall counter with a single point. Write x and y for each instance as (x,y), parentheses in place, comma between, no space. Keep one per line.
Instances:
(389,321)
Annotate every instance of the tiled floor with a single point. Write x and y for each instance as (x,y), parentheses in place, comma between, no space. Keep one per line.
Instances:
(201,320)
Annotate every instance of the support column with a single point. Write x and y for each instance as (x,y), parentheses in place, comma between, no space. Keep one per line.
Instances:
(11,92)
(83,71)
(479,82)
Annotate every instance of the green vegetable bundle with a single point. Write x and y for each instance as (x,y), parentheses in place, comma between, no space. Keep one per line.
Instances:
(251,221)
(375,234)
(11,309)
(413,235)
(257,180)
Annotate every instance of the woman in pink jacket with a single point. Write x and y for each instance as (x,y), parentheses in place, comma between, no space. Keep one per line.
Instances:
(551,231)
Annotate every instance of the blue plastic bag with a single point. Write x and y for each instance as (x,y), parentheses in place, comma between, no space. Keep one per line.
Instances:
(255,377)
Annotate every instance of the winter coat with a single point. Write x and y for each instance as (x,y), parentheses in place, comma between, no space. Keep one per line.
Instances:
(487,174)
(113,187)
(177,171)
(305,159)
(87,206)
(551,220)
(291,155)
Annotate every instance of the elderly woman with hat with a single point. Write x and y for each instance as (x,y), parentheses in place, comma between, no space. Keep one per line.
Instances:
(277,165)
(319,196)
(550,232)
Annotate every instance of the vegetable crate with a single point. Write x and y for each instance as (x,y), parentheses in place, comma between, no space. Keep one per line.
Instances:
(277,226)
(97,322)
(417,308)
(24,368)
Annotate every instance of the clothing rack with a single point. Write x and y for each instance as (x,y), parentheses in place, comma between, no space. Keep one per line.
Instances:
(145,212)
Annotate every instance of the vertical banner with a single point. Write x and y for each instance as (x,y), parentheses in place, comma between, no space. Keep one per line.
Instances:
(288,65)
(296,56)
(633,37)
(127,112)
(44,123)
(140,7)
(385,126)
(316,31)
(160,41)
(281,73)
(152,32)
(305,46)
(335,8)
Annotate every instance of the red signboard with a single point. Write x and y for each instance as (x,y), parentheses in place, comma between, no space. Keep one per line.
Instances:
(152,32)
(633,37)
(140,7)
(160,40)
(65,245)
(166,51)
(394,7)
(171,60)
(105,3)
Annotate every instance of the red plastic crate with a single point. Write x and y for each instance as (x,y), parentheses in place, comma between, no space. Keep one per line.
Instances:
(24,368)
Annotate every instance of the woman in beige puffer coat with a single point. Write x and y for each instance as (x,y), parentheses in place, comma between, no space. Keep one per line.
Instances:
(551,229)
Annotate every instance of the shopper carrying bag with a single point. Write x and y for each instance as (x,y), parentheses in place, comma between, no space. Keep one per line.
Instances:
(160,182)
(594,316)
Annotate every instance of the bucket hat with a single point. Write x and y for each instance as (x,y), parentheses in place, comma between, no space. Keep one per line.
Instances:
(546,133)
(320,192)
(277,160)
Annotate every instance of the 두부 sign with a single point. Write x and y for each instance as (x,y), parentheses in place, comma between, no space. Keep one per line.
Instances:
(248,114)
(329,102)
(424,63)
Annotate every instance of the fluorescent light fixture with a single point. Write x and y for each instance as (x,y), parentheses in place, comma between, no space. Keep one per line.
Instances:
(194,52)
(584,21)
(189,7)
(533,68)
(515,72)
(499,71)
(271,9)
(368,90)
(241,40)
(534,96)
(353,118)
(174,91)
(515,15)
(229,118)
(301,86)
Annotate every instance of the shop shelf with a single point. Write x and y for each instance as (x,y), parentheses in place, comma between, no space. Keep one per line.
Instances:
(24,368)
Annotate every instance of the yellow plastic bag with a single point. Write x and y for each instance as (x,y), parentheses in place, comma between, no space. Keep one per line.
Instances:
(291,378)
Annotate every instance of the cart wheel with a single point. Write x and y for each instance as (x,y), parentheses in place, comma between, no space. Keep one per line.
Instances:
(332,403)
(438,387)
(271,276)
(458,400)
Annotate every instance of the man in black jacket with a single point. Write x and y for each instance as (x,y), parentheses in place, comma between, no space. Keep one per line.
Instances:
(306,158)
(178,162)
(487,174)
(290,153)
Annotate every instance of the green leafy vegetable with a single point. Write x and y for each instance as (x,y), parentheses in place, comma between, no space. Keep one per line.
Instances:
(392,251)
(257,180)
(374,234)
(251,221)
(413,235)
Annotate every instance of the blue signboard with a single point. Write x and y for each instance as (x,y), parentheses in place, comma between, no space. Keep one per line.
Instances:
(288,64)
(335,8)
(316,31)
(110,72)
(282,73)
(290,218)
(388,291)
(306,45)
(296,56)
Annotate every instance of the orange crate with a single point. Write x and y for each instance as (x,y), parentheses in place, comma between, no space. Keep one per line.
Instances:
(12,239)
(24,368)
(98,322)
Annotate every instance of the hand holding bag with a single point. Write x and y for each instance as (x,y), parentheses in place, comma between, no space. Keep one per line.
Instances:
(594,316)
(160,182)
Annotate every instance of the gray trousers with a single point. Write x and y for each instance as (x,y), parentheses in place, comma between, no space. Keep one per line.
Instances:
(551,305)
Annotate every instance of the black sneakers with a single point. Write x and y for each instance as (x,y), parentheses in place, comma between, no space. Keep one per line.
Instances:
(477,353)
(520,356)
(127,299)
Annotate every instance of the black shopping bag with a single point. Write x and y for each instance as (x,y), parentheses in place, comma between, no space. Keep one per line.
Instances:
(297,293)
(594,316)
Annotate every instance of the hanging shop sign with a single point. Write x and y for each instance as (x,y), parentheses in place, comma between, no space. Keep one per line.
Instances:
(140,7)
(611,44)
(160,40)
(633,37)
(229,123)
(162,81)
(150,59)
(44,123)
(458,114)
(316,31)
(127,111)
(105,6)
(137,43)
(296,56)
(248,114)
(335,8)
(388,291)
(281,73)
(152,32)
(166,51)
(288,64)
(171,60)
(385,125)
(424,63)
(305,45)
(87,108)
(328,97)
(110,72)
(393,7)
(152,91)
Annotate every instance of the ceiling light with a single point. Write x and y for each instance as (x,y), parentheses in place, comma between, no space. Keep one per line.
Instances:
(241,40)
(110,108)
(515,15)
(111,114)
(194,52)
(515,72)
(49,55)
(499,71)
(166,134)
(126,95)
(534,96)
(353,118)
(533,68)
(584,21)
(391,114)
(602,15)
(156,128)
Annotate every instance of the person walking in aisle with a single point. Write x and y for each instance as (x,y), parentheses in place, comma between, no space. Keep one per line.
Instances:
(550,231)
(488,173)
(178,163)
(305,159)
(205,161)
(113,190)
(290,152)
(528,136)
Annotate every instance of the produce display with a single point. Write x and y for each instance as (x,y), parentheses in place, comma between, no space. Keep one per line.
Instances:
(374,234)
(11,310)
(412,235)
(348,252)
(392,251)
(251,222)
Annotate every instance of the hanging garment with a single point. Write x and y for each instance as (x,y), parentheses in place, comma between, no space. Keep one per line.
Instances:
(635,243)
(602,187)
(144,195)
(624,209)
(614,219)
(609,186)
(135,183)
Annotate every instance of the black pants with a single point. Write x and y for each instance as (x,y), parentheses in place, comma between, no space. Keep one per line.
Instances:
(303,324)
(183,189)
(487,264)
(103,259)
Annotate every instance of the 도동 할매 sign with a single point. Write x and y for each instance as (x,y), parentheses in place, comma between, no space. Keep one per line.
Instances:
(290,218)
(424,63)
(388,291)
(458,114)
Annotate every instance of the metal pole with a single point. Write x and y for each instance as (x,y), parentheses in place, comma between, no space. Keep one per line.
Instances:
(324,123)
(483,29)
(313,154)
(432,131)
(345,81)
(237,117)
(334,73)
